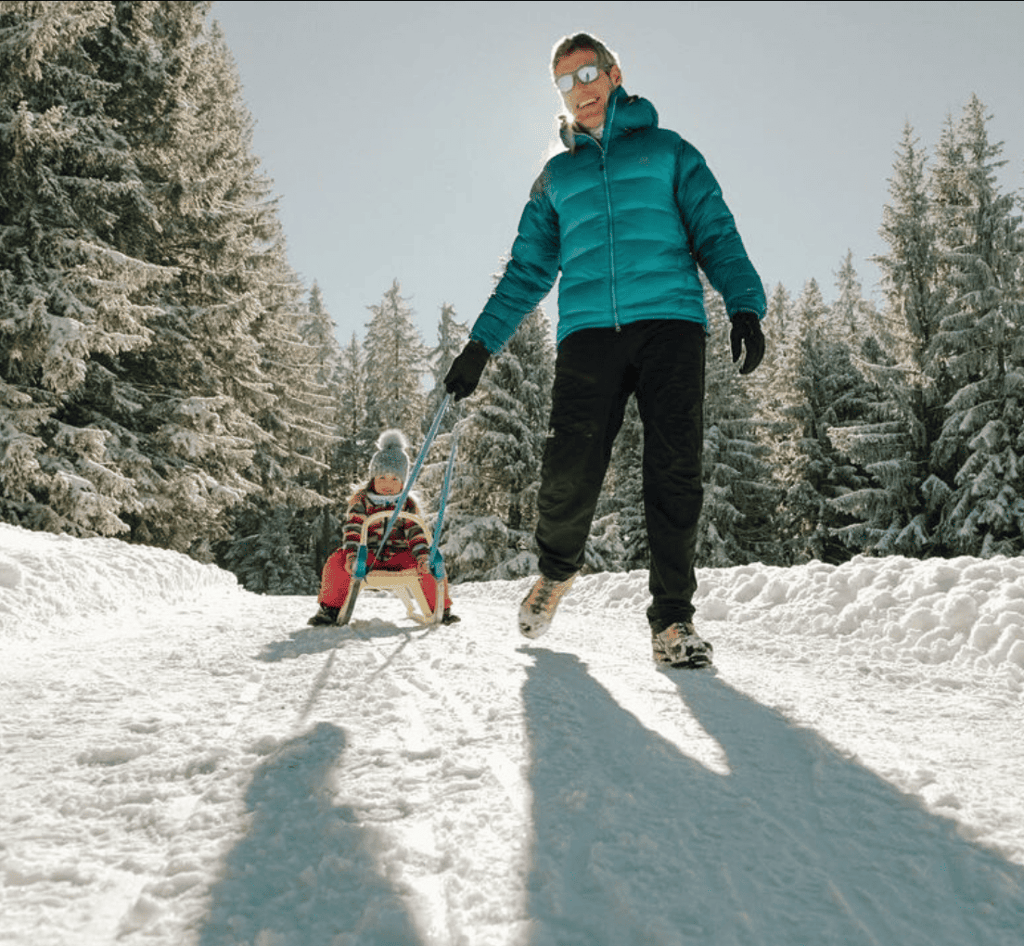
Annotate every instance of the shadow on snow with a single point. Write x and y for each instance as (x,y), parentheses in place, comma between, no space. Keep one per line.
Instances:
(305,872)
(635,842)
(307,641)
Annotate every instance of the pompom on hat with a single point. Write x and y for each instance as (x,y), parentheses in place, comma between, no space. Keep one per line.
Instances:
(390,456)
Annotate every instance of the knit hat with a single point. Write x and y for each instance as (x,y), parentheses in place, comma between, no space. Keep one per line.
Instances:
(390,456)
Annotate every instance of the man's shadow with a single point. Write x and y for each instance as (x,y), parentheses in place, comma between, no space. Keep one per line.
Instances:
(796,845)
(305,869)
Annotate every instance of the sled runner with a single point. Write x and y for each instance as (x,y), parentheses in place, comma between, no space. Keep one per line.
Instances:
(404,585)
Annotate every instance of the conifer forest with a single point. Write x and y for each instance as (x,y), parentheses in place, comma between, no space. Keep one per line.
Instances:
(167,378)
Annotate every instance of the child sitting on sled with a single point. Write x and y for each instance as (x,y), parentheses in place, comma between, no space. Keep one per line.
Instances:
(406,548)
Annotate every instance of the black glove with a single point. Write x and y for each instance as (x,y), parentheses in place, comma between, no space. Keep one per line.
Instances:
(464,374)
(746,332)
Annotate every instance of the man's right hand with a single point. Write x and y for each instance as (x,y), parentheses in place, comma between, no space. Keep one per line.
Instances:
(746,334)
(464,374)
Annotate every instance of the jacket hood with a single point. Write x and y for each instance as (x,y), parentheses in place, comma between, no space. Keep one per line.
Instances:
(626,113)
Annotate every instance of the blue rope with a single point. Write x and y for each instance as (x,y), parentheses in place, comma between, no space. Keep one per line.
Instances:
(436,561)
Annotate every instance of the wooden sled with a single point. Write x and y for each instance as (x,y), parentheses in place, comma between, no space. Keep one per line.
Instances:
(404,585)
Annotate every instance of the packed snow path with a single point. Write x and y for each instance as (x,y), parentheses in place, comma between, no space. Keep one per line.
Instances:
(186,763)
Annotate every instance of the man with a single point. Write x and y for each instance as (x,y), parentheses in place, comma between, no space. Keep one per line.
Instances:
(626,214)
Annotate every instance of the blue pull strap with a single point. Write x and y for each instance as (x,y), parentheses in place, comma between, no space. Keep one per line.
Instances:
(436,561)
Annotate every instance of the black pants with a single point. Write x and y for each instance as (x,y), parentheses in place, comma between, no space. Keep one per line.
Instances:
(662,362)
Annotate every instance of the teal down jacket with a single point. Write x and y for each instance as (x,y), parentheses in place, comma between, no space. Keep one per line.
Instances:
(626,222)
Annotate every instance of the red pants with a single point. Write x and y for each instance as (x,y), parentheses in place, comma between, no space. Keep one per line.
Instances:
(335,580)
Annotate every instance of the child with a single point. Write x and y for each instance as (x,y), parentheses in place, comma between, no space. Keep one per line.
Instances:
(406,548)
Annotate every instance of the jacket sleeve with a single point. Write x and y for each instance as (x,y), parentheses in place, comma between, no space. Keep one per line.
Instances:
(529,275)
(355,516)
(414,533)
(714,240)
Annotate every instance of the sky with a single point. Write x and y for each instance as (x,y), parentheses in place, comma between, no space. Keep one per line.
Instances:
(189,764)
(402,138)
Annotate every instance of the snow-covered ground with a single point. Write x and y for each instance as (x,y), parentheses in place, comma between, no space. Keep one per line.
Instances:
(187,763)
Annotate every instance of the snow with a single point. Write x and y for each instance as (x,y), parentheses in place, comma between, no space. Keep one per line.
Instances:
(188,763)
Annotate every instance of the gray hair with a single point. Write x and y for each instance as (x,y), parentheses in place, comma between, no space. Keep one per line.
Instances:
(570,44)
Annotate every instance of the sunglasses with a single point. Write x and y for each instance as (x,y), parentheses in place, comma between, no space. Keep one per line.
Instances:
(585,75)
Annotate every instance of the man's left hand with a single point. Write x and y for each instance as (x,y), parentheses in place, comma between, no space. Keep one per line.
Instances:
(746,333)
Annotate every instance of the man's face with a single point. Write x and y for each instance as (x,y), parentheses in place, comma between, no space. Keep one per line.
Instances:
(587,103)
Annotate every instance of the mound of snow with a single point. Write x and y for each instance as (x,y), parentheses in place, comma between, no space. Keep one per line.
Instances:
(56,584)
(933,611)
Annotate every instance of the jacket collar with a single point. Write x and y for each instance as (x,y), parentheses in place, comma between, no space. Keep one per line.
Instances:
(626,114)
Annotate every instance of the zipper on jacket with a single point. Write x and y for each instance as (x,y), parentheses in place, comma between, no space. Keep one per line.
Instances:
(611,226)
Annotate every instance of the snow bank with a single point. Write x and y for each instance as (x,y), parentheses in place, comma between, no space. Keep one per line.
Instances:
(52,585)
(965,611)
(936,611)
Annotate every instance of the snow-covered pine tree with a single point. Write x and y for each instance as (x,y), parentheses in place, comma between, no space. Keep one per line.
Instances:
(736,525)
(857,321)
(317,329)
(272,546)
(451,338)
(235,309)
(352,448)
(355,435)
(799,449)
(343,382)
(981,340)
(72,298)
(395,366)
(493,505)
(896,512)
(145,245)
(848,399)
(778,331)
(203,384)
(618,536)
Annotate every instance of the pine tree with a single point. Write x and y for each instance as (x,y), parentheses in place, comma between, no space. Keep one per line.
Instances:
(395,365)
(736,523)
(151,361)
(494,498)
(979,450)
(355,435)
(848,400)
(618,537)
(451,338)
(73,299)
(204,386)
(897,510)
(352,446)
(317,330)
(797,445)
(320,520)
(292,465)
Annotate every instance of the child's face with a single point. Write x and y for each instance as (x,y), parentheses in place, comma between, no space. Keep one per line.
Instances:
(387,484)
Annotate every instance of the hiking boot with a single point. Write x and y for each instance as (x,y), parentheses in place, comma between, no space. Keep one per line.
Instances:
(539,606)
(449,618)
(326,615)
(680,646)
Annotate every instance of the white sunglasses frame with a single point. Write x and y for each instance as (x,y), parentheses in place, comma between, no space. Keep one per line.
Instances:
(576,77)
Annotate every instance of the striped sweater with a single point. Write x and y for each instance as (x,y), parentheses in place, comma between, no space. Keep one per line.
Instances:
(406,536)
